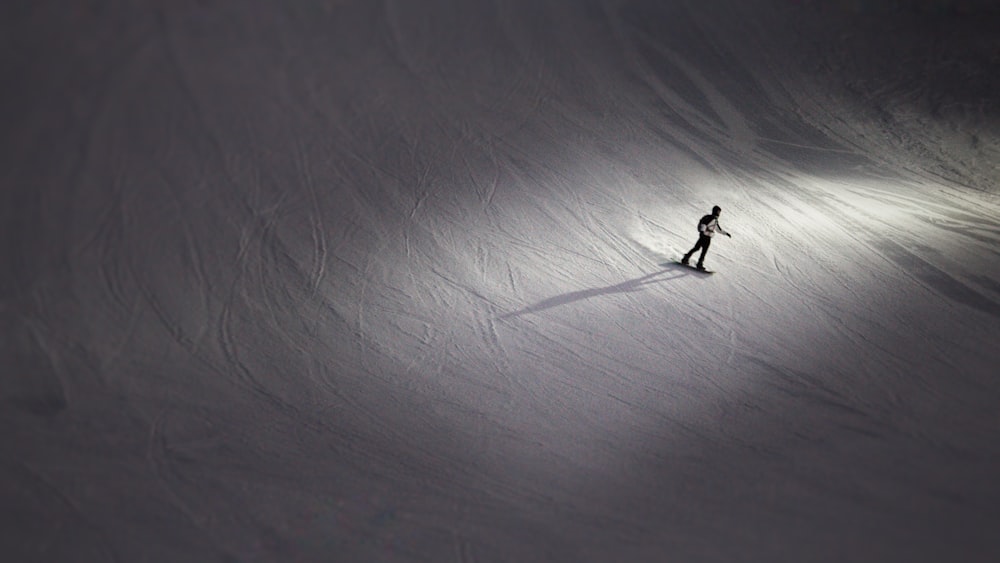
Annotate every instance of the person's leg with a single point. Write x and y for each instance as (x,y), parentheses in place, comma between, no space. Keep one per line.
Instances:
(697,245)
(703,242)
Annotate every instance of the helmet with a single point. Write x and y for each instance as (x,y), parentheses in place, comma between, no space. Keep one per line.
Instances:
(716,210)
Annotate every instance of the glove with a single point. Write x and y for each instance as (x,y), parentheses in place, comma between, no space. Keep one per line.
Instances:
(729,235)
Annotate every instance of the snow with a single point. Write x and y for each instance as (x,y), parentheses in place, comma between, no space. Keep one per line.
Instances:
(392,281)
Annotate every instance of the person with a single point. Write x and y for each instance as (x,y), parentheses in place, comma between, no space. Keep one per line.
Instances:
(707,227)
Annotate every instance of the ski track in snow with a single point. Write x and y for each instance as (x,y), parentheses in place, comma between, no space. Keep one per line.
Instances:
(379,281)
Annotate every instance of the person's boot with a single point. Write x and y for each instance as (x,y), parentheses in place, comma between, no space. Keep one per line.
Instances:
(685,259)
(700,266)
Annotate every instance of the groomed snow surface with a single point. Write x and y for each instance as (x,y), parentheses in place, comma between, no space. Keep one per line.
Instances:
(393,281)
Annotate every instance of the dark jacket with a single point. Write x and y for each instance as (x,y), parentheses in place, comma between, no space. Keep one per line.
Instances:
(709,225)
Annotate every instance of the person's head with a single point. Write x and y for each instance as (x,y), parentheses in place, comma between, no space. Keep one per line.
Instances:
(716,210)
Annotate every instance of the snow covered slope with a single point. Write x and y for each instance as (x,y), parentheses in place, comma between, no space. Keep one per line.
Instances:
(393,281)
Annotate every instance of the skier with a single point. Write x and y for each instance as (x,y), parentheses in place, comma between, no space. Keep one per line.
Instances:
(707,228)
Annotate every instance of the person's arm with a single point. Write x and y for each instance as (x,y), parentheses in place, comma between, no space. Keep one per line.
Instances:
(723,231)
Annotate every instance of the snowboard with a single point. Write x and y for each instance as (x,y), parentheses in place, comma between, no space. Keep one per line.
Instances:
(695,268)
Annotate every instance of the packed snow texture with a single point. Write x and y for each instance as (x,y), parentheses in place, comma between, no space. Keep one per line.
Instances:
(394,281)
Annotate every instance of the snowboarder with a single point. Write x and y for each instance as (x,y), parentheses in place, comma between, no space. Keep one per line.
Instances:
(707,228)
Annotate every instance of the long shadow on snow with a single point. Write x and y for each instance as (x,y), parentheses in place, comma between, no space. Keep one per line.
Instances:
(624,287)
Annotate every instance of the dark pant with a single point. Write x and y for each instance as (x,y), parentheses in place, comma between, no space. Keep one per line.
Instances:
(703,243)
